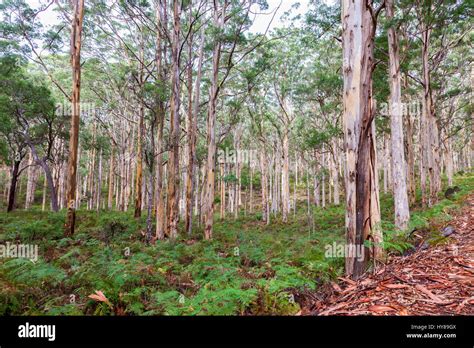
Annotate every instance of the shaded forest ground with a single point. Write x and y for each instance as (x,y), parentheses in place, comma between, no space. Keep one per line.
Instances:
(249,268)
(434,278)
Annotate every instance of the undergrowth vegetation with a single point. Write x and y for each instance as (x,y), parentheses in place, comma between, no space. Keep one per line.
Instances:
(249,268)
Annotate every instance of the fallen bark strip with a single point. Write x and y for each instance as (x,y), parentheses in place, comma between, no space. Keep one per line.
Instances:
(435,281)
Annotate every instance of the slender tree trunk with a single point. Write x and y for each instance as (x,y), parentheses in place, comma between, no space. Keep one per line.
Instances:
(331,182)
(400,196)
(20,185)
(423,157)
(237,174)
(43,205)
(361,196)
(160,112)
(13,184)
(99,182)
(52,188)
(130,173)
(202,195)
(60,185)
(139,170)
(222,188)
(193,115)
(149,225)
(285,182)
(251,187)
(91,177)
(123,179)
(30,182)
(431,133)
(48,173)
(323,180)
(173,167)
(308,195)
(140,136)
(78,186)
(111,179)
(264,183)
(316,181)
(410,152)
(449,162)
(335,173)
(294,186)
(76,34)
(159,192)
(211,128)
(6,187)
(385,163)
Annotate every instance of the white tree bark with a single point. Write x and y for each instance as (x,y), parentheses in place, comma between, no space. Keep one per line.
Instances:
(400,196)
(362,217)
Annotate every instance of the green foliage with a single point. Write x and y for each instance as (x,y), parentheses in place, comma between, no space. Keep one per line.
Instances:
(423,220)
(32,226)
(24,272)
(249,267)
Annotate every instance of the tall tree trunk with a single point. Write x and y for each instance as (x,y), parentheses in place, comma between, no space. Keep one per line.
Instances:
(193,112)
(211,127)
(99,182)
(60,185)
(159,192)
(237,174)
(160,114)
(149,225)
(335,173)
(410,152)
(431,133)
(400,196)
(76,35)
(323,179)
(140,136)
(264,183)
(31,186)
(316,181)
(222,204)
(423,157)
(316,189)
(251,186)
(285,177)
(308,194)
(139,171)
(131,171)
(91,178)
(111,179)
(386,160)
(43,205)
(449,162)
(358,44)
(50,181)
(29,181)
(47,171)
(173,171)
(13,184)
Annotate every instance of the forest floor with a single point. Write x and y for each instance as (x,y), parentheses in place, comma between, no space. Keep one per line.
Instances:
(430,280)
(249,268)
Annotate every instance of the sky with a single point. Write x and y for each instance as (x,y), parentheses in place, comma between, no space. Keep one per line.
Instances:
(277,8)
(48,17)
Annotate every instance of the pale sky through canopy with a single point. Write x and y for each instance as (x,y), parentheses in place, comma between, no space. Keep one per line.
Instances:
(261,19)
